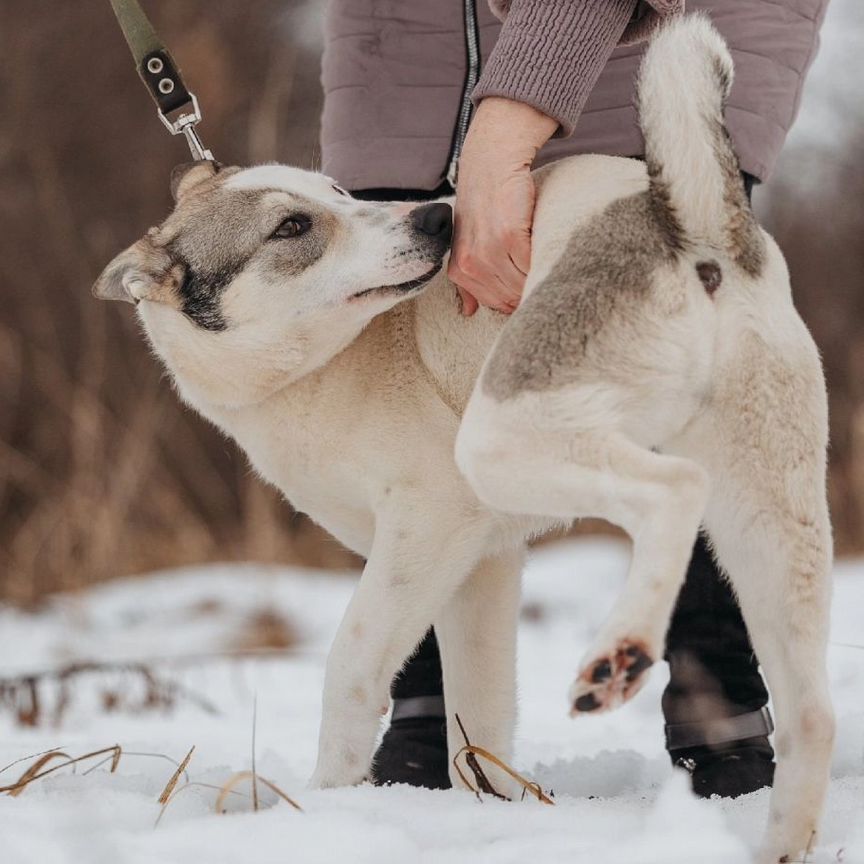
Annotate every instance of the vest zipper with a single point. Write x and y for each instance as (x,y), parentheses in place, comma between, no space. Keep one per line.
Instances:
(472,73)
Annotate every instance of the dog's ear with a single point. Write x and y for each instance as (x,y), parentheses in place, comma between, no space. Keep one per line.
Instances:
(188,175)
(141,272)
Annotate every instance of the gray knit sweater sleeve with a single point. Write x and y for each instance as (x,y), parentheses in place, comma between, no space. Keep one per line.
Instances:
(551,52)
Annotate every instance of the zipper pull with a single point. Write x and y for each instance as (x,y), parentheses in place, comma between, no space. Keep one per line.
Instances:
(453,172)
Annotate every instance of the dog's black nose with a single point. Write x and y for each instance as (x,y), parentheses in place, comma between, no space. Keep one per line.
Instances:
(436,220)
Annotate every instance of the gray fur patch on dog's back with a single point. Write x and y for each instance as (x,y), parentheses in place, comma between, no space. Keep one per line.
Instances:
(606,266)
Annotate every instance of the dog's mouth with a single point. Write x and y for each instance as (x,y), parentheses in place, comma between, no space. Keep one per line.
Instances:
(401,288)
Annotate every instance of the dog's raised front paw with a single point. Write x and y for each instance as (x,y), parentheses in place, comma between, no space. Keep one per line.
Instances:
(610,680)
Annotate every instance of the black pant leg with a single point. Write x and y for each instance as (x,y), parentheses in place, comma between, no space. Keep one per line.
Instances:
(421,675)
(713,670)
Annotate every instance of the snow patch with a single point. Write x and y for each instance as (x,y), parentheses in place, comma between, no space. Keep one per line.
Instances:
(618,800)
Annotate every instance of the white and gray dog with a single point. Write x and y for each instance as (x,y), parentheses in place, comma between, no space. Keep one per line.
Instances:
(656,374)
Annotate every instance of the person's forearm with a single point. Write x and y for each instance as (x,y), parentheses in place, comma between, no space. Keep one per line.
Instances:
(508,132)
(551,52)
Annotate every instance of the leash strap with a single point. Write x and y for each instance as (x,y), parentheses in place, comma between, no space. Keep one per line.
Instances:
(161,76)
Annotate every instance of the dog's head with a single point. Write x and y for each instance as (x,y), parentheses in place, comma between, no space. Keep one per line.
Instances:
(261,275)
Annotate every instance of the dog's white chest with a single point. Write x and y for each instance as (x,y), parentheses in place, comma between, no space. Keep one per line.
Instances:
(312,469)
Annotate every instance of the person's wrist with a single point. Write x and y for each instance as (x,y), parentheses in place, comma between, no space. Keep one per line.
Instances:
(514,131)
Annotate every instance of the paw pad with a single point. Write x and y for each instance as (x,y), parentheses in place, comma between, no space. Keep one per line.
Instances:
(612,679)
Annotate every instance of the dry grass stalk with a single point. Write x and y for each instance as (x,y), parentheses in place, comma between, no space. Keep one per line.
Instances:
(254,772)
(127,754)
(225,790)
(169,786)
(239,777)
(170,792)
(471,752)
(35,772)
(483,782)
(21,759)
(35,768)
(112,754)
(252,775)
(191,784)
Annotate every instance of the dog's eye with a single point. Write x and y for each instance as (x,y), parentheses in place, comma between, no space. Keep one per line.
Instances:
(340,190)
(293,226)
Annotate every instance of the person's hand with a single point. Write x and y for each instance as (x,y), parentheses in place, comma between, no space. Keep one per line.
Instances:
(495,204)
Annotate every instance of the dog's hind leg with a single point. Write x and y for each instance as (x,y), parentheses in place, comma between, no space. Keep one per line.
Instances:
(570,473)
(477,636)
(422,552)
(764,446)
(778,565)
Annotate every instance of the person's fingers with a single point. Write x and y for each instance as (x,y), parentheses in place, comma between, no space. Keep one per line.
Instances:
(472,292)
(502,284)
(492,277)
(465,276)
(469,302)
(491,293)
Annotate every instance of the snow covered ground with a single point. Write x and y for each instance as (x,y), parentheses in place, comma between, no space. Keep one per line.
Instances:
(617,798)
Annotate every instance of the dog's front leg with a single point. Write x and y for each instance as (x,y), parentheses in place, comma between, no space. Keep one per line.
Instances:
(414,568)
(477,635)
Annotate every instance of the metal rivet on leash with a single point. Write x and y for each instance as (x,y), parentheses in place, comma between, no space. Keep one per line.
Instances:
(177,106)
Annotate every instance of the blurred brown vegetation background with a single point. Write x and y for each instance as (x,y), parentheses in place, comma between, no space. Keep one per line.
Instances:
(102,472)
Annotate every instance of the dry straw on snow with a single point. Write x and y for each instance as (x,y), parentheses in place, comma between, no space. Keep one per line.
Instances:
(40,768)
(471,752)
(37,770)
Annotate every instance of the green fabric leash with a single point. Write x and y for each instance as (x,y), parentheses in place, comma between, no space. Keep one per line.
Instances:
(161,75)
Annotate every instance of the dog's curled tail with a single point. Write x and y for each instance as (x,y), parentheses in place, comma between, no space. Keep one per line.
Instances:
(684,81)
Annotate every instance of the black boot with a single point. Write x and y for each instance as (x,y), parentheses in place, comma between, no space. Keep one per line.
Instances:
(414,748)
(729,770)
(717,722)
